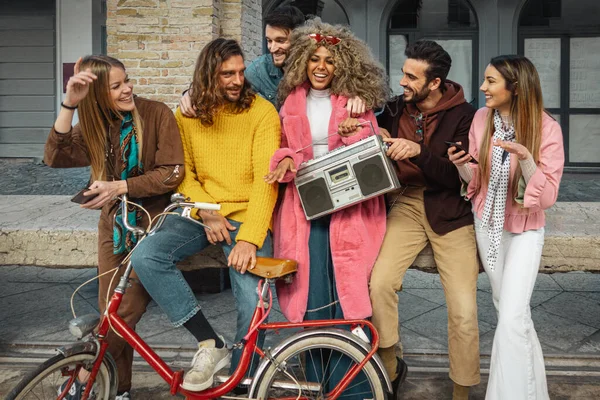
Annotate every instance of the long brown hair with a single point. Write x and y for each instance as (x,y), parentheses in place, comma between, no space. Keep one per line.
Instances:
(526,111)
(97,111)
(357,72)
(206,94)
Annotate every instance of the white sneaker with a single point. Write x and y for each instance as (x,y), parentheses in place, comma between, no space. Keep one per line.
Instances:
(205,363)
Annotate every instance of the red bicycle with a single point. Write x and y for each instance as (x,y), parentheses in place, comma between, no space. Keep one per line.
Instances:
(286,371)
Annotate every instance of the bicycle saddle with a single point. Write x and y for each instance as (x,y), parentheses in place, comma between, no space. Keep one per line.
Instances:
(273,268)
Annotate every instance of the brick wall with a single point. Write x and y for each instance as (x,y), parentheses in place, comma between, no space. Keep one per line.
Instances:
(159,40)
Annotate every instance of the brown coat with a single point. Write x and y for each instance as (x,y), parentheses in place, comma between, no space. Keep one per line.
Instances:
(162,158)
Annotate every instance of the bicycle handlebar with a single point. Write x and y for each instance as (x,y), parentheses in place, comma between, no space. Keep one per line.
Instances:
(207,206)
(177,200)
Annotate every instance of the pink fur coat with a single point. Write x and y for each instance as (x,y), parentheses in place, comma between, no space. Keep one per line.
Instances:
(356,232)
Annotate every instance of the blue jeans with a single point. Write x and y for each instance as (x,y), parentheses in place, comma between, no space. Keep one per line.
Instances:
(154,261)
(323,303)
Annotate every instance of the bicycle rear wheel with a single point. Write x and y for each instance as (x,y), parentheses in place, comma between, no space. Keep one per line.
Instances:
(312,367)
(44,382)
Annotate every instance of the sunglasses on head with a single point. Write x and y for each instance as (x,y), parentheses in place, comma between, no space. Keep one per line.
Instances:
(317,37)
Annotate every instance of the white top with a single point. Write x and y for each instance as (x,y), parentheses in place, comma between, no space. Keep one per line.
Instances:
(318,111)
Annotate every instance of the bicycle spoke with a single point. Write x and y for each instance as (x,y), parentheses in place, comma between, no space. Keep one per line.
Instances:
(46,382)
(319,376)
(331,372)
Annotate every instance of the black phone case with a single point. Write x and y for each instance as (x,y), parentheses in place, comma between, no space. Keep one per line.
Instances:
(459,148)
(79,198)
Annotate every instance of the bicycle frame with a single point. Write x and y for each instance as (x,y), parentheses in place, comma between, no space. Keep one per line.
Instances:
(111,320)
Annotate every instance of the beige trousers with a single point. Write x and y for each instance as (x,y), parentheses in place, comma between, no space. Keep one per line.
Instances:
(455,254)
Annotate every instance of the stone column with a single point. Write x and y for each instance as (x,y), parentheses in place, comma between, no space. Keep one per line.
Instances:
(159,40)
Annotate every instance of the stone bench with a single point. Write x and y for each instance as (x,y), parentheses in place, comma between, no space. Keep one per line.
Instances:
(50,231)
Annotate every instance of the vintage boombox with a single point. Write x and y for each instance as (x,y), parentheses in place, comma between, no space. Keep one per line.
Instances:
(345,176)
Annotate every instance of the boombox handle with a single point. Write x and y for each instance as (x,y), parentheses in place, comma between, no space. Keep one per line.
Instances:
(335,134)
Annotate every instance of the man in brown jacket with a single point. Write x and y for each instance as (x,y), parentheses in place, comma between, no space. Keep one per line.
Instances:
(428,209)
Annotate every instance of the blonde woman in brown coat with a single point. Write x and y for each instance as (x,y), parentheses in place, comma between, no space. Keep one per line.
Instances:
(133,146)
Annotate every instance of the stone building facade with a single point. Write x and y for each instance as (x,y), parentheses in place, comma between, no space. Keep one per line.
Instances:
(159,40)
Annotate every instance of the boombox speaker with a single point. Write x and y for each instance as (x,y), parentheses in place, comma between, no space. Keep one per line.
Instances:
(345,176)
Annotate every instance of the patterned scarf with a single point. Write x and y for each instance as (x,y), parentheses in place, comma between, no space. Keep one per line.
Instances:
(131,165)
(495,201)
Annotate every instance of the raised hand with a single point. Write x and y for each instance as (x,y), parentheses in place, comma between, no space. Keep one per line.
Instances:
(514,148)
(78,85)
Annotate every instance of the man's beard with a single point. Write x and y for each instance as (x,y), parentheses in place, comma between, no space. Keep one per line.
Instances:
(280,63)
(229,98)
(419,96)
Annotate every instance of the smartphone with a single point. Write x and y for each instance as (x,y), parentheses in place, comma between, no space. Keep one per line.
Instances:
(459,148)
(80,198)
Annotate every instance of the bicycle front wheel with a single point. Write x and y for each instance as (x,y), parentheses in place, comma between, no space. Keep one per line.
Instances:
(312,367)
(44,382)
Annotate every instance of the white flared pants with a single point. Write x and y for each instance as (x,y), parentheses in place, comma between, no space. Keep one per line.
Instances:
(517,365)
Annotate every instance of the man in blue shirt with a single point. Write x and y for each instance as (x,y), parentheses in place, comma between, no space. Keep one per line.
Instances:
(265,72)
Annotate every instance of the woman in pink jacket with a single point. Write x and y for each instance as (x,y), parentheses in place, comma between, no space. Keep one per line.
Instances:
(326,65)
(520,152)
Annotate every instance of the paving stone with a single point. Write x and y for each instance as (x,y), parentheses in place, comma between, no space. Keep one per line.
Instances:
(9,288)
(590,295)
(46,275)
(89,291)
(154,322)
(434,325)
(483,282)
(575,308)
(591,344)
(35,300)
(545,282)
(415,342)
(558,332)
(485,308)
(578,281)
(170,336)
(218,303)
(36,324)
(436,296)
(421,280)
(225,324)
(410,306)
(486,341)
(540,296)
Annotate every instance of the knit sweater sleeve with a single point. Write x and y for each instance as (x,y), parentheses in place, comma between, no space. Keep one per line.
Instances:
(263,196)
(190,186)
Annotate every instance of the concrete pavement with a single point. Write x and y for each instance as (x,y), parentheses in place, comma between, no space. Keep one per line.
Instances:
(34,311)
(34,301)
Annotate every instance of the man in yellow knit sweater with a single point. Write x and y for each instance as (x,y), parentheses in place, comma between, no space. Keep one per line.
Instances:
(227,151)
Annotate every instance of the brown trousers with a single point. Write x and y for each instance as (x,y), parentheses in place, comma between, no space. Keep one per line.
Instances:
(455,253)
(131,309)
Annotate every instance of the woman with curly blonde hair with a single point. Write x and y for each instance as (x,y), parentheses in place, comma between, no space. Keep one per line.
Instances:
(326,65)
